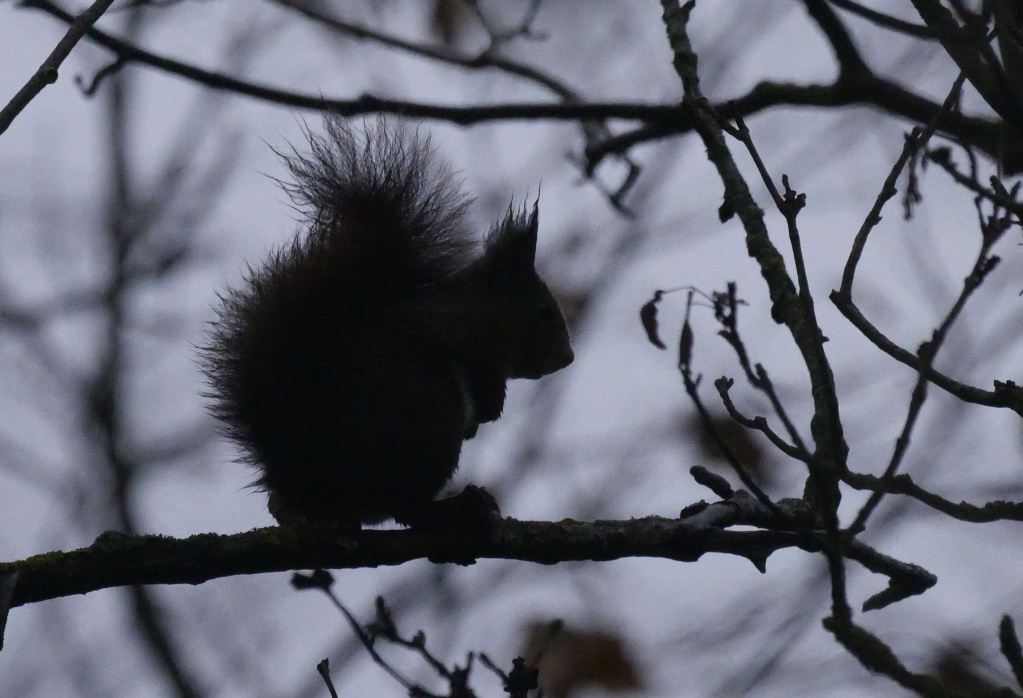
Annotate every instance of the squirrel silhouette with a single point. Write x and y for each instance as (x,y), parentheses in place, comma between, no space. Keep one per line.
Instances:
(352,364)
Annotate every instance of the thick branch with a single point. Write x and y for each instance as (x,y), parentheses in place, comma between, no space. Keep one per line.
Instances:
(850,62)
(968,46)
(118,560)
(787,306)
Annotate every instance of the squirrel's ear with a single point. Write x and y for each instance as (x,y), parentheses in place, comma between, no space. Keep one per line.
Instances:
(533,224)
(511,246)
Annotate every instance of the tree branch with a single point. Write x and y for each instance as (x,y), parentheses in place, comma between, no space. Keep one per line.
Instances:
(998,510)
(968,47)
(787,307)
(129,53)
(875,655)
(887,21)
(116,559)
(660,121)
(47,72)
(850,62)
(484,60)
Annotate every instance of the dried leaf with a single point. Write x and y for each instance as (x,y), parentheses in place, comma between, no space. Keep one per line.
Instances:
(648,316)
(577,658)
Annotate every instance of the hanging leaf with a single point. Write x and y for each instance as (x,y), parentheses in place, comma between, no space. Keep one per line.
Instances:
(685,340)
(648,316)
(685,346)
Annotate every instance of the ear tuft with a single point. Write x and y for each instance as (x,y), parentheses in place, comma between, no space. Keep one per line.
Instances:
(511,244)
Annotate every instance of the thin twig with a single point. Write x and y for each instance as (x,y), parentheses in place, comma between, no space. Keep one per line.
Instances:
(766,386)
(1009,644)
(367,642)
(983,265)
(789,205)
(484,60)
(999,510)
(877,656)
(760,424)
(1005,395)
(942,158)
(386,627)
(916,140)
(920,31)
(48,71)
(323,668)
(726,311)
(692,390)
(904,579)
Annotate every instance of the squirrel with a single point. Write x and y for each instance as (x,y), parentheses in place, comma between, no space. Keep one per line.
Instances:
(351,366)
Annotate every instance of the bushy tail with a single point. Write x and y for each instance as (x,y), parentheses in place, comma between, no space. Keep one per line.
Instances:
(382,219)
(378,205)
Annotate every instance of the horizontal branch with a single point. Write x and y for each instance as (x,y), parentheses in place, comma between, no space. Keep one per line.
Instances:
(668,114)
(998,510)
(659,120)
(115,559)
(1005,394)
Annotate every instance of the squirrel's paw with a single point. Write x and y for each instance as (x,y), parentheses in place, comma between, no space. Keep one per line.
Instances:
(474,510)
(473,507)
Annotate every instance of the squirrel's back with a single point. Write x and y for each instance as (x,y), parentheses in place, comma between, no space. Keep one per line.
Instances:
(353,363)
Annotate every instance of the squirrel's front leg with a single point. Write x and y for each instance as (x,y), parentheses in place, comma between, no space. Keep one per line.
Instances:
(473,507)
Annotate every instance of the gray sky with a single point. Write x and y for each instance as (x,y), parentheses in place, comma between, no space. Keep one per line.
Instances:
(612,433)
